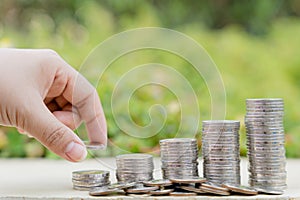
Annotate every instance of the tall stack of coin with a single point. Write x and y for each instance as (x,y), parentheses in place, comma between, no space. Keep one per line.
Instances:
(265,143)
(89,179)
(135,167)
(179,158)
(220,151)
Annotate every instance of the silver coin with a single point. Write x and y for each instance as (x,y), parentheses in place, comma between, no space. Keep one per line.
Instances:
(121,185)
(214,191)
(192,189)
(188,180)
(161,192)
(141,190)
(159,183)
(265,191)
(84,184)
(103,191)
(240,189)
(81,188)
(94,145)
(86,174)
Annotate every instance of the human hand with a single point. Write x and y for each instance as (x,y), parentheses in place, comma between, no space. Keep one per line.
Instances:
(43,95)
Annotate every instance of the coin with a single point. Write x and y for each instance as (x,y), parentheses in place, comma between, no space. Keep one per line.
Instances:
(192,189)
(81,188)
(103,191)
(159,183)
(213,187)
(86,174)
(87,179)
(141,190)
(265,143)
(94,145)
(180,194)
(134,167)
(220,151)
(215,191)
(179,157)
(121,185)
(161,192)
(240,189)
(188,180)
(270,191)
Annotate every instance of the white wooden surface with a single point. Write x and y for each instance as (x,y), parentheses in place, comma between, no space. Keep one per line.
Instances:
(51,179)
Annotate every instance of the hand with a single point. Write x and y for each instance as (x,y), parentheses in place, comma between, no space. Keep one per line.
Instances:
(43,95)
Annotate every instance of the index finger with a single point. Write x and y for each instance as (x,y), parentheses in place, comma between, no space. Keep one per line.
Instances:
(81,94)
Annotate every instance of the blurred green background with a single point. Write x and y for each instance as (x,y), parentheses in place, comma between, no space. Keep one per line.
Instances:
(255,44)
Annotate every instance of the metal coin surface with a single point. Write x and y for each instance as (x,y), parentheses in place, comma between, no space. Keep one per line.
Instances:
(94,145)
(241,189)
(103,191)
(161,192)
(159,183)
(141,190)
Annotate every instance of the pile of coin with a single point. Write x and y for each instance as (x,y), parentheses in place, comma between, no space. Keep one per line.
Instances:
(179,158)
(265,144)
(173,187)
(89,179)
(220,151)
(134,167)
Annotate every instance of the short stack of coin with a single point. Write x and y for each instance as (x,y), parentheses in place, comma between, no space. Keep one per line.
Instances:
(220,151)
(265,144)
(89,179)
(135,167)
(179,158)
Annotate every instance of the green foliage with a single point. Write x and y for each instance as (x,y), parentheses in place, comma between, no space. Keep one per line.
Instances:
(255,48)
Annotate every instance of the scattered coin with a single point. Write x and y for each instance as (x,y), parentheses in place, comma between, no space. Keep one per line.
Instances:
(213,187)
(161,192)
(214,191)
(159,183)
(141,190)
(192,189)
(241,189)
(270,191)
(102,191)
(121,185)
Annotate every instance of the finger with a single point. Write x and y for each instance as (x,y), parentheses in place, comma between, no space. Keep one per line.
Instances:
(57,137)
(70,119)
(48,100)
(52,106)
(61,101)
(84,96)
(21,131)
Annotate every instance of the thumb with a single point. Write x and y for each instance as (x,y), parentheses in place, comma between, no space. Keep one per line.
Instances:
(53,134)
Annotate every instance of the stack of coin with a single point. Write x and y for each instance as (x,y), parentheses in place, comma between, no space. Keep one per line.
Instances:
(134,167)
(220,151)
(89,179)
(265,144)
(179,158)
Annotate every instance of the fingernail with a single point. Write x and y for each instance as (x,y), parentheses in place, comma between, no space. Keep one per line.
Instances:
(76,151)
